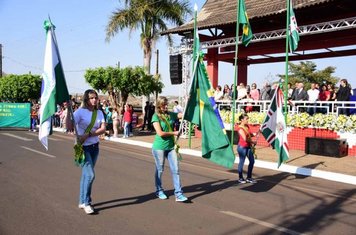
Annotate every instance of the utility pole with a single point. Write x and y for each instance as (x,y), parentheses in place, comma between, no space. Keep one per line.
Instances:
(0,60)
(118,97)
(157,52)
(157,60)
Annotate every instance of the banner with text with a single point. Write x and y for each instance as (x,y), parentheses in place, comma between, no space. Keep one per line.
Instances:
(15,115)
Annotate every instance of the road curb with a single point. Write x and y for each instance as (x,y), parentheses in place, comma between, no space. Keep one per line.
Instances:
(338,177)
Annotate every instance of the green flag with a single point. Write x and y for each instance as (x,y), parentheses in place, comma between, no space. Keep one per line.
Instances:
(54,87)
(246,27)
(274,127)
(293,27)
(202,111)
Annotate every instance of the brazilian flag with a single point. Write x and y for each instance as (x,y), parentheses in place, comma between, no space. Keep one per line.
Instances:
(202,111)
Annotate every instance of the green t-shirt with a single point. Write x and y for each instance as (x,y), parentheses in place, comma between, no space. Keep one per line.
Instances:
(164,143)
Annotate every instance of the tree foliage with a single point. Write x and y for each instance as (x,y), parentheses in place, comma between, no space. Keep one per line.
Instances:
(306,72)
(150,17)
(126,81)
(20,88)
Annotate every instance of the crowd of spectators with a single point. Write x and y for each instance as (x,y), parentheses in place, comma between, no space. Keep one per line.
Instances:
(316,93)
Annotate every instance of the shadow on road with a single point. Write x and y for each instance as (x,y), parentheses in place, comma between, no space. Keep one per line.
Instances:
(266,183)
(124,202)
(200,189)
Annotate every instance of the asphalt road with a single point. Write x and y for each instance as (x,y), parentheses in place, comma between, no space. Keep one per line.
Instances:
(39,195)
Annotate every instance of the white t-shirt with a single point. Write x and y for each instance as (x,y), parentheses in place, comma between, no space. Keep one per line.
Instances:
(241,93)
(82,118)
(218,95)
(313,94)
(178,109)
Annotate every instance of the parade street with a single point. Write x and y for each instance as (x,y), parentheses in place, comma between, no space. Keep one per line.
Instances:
(39,195)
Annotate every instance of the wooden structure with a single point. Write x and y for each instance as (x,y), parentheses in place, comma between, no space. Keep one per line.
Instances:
(325,27)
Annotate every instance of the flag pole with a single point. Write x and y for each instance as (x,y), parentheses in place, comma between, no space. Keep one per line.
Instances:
(195,56)
(71,123)
(235,75)
(285,90)
(195,63)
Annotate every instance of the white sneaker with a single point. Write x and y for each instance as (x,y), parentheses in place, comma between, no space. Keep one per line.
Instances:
(81,206)
(88,209)
(251,181)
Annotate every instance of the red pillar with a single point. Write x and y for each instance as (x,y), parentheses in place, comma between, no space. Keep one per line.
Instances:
(213,66)
(242,71)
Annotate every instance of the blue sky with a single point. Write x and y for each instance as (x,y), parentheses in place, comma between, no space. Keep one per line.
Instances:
(80,31)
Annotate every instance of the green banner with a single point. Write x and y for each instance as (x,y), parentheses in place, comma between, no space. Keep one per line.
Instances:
(15,115)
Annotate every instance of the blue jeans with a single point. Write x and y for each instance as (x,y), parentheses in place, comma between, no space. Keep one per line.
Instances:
(126,129)
(243,153)
(160,156)
(88,175)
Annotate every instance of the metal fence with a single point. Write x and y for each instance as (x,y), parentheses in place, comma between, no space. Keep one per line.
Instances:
(327,107)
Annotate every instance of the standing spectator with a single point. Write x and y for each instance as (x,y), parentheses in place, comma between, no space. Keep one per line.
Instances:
(313,96)
(226,93)
(233,91)
(255,95)
(90,140)
(34,117)
(57,119)
(151,111)
(242,91)
(109,122)
(343,94)
(266,92)
(127,121)
(115,121)
(145,115)
(163,148)
(300,94)
(254,92)
(64,117)
(290,91)
(132,120)
(324,95)
(177,109)
(218,94)
(330,88)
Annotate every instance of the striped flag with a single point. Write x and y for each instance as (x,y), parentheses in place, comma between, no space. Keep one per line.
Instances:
(293,27)
(274,127)
(54,87)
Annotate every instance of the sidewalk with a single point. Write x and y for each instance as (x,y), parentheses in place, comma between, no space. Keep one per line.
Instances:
(336,169)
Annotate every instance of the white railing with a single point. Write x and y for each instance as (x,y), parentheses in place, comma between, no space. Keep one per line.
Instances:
(328,107)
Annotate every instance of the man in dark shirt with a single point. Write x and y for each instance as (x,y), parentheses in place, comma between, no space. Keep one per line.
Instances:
(343,94)
(300,94)
(145,116)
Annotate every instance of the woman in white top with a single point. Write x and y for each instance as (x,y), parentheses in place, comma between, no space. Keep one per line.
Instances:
(90,141)
(116,122)
(218,95)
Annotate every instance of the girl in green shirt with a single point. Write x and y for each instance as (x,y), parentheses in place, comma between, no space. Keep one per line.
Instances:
(163,148)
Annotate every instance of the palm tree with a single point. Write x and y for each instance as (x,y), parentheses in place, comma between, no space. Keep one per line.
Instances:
(150,17)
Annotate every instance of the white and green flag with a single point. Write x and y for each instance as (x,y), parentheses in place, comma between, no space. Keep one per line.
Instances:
(54,87)
(274,127)
(293,27)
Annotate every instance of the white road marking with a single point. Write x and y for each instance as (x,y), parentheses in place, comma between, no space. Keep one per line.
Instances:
(17,137)
(262,223)
(49,137)
(35,151)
